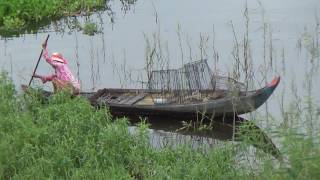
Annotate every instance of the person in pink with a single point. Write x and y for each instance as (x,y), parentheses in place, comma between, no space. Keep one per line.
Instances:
(63,77)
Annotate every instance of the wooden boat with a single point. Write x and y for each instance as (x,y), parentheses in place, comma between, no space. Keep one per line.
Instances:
(211,103)
(208,103)
(188,91)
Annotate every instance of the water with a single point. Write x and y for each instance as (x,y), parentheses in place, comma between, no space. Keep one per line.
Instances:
(109,59)
(171,133)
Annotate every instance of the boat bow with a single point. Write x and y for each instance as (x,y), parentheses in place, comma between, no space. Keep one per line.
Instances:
(264,93)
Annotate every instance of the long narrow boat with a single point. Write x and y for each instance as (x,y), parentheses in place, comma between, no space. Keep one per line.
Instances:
(209,103)
(212,103)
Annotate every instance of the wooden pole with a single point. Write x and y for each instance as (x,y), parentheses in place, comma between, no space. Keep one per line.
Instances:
(35,69)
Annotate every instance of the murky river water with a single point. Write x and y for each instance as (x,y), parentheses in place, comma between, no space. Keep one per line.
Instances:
(109,59)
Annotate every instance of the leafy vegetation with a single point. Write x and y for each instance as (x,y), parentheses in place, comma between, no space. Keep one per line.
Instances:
(63,137)
(15,15)
(90,28)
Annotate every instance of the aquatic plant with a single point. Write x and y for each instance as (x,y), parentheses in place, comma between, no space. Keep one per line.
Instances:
(16,15)
(90,28)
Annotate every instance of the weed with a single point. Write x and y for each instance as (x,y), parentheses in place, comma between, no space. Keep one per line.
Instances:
(90,28)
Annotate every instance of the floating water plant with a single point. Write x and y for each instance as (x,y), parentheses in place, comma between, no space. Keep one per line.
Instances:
(90,28)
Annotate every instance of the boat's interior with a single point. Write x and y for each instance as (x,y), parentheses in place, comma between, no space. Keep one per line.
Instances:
(144,97)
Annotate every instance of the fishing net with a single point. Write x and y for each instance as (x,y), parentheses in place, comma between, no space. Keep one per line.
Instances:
(190,79)
(227,83)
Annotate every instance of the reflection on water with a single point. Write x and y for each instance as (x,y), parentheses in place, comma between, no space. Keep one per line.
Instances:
(165,132)
(160,138)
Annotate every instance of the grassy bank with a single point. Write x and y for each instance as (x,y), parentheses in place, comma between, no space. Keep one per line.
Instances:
(66,138)
(18,14)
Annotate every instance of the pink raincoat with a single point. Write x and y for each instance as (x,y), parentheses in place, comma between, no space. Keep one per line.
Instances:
(62,72)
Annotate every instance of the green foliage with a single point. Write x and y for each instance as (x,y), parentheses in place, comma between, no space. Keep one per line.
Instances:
(16,14)
(90,28)
(7,92)
(299,157)
(64,137)
(303,155)
(13,24)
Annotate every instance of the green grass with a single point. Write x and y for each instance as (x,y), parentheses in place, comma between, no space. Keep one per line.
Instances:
(66,138)
(16,15)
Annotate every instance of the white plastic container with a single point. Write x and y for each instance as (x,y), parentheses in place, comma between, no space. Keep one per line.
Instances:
(160,101)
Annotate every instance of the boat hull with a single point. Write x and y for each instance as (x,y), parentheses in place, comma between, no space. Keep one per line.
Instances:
(222,107)
(227,106)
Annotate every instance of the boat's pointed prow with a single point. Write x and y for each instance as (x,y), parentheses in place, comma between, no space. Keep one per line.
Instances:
(263,94)
(274,83)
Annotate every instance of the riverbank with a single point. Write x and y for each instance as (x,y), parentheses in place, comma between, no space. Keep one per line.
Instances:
(67,138)
(16,15)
